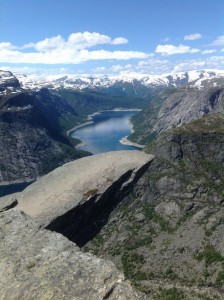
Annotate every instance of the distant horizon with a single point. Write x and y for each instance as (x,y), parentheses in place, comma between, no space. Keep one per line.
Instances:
(111,38)
(104,76)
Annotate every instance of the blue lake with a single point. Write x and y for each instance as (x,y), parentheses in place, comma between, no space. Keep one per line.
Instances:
(106,131)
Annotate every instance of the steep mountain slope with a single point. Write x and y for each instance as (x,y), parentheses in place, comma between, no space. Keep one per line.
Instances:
(167,234)
(175,107)
(88,102)
(31,139)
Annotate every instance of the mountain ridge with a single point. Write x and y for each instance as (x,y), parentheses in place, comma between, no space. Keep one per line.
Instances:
(132,84)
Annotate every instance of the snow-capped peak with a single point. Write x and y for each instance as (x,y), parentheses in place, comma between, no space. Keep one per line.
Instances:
(195,78)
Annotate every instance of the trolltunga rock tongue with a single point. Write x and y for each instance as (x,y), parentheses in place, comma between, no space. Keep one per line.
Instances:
(75,183)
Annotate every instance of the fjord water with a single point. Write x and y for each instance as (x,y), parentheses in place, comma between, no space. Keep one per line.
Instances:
(106,131)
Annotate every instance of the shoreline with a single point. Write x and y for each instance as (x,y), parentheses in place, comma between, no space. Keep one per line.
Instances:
(122,109)
(80,145)
(78,126)
(90,118)
(125,141)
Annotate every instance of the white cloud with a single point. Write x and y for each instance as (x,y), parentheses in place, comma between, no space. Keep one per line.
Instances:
(152,62)
(75,41)
(213,62)
(193,37)
(188,65)
(219,41)
(74,50)
(171,49)
(119,41)
(148,66)
(103,54)
(67,56)
(100,69)
(7,46)
(117,68)
(161,66)
(209,51)
(27,46)
(83,40)
(144,66)
(56,42)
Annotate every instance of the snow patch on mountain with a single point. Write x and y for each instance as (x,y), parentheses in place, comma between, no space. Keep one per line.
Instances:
(196,78)
(8,83)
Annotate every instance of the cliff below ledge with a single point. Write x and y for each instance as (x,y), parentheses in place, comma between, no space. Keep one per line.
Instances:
(77,198)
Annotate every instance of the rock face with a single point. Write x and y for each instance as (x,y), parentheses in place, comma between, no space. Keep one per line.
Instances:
(190,162)
(176,107)
(8,82)
(24,145)
(39,264)
(187,105)
(76,196)
(30,137)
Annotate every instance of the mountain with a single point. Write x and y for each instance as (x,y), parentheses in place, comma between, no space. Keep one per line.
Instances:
(8,83)
(138,85)
(161,223)
(37,112)
(32,141)
(175,107)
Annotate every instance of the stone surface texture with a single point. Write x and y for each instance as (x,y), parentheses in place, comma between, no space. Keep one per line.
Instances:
(38,264)
(7,203)
(76,182)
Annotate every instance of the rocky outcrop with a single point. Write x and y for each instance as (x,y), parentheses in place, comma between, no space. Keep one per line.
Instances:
(8,82)
(39,264)
(77,198)
(36,263)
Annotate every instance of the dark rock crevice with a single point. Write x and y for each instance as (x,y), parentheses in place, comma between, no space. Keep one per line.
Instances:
(82,223)
(215,98)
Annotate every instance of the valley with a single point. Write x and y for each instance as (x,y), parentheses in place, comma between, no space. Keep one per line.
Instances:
(105,132)
(155,215)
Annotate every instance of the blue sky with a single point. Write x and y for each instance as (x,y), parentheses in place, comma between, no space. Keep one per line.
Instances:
(111,37)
